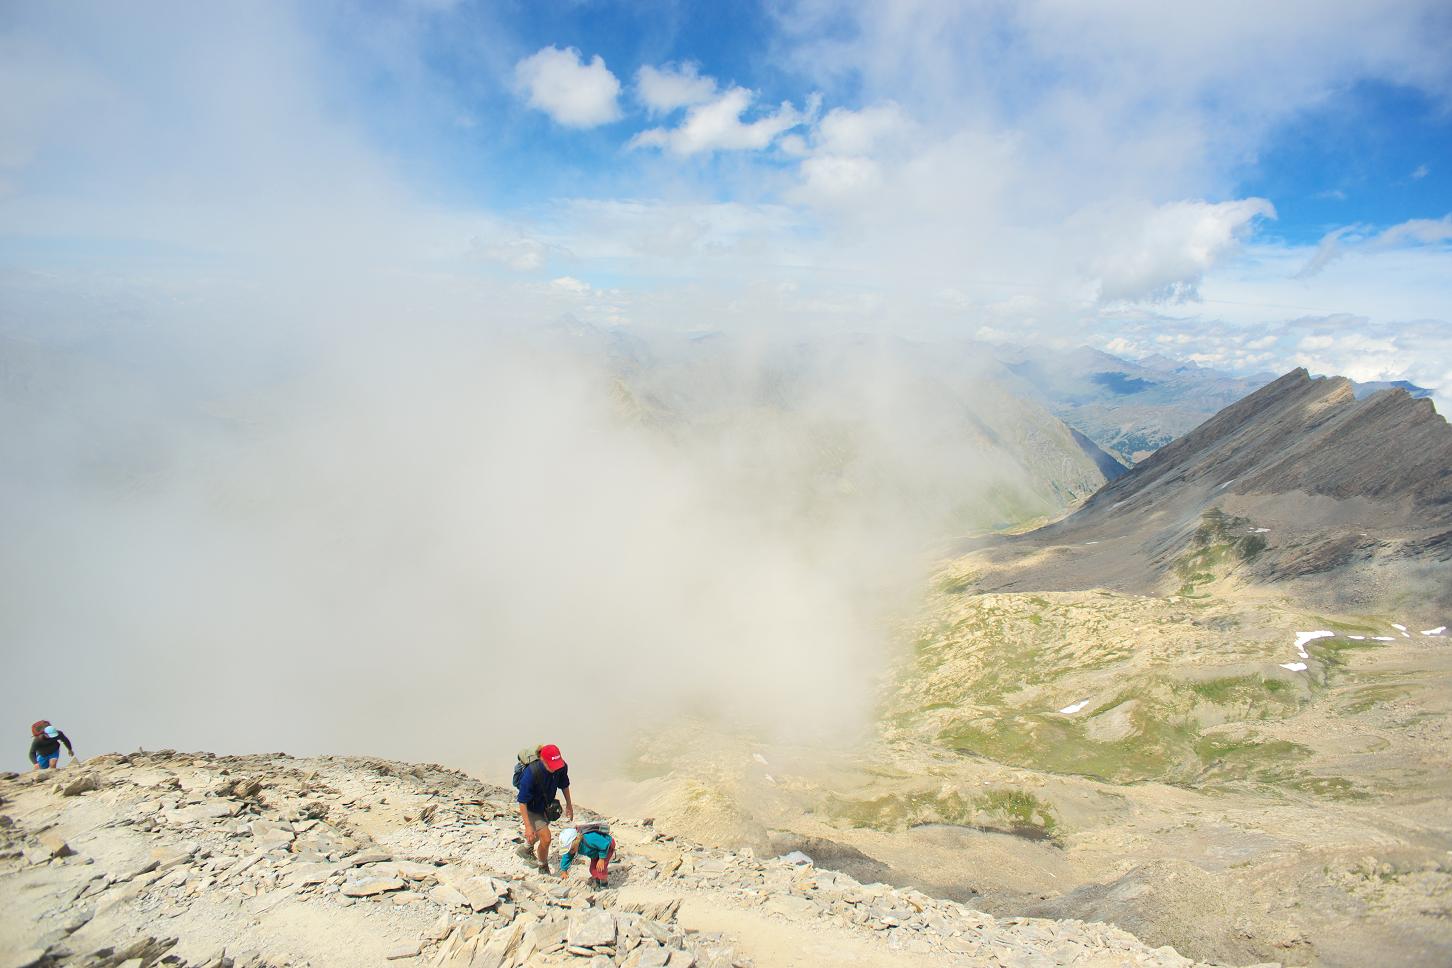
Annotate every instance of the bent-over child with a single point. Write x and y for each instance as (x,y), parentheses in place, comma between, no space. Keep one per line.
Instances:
(591,840)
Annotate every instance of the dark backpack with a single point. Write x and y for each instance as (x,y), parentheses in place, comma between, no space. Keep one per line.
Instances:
(519,769)
(37,729)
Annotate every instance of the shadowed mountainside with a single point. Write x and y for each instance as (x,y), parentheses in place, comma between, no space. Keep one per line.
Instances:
(1299,482)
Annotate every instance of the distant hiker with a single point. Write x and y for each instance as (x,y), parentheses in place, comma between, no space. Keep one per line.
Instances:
(538,783)
(591,840)
(45,744)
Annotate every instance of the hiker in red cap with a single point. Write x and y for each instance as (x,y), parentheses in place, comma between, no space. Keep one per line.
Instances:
(538,784)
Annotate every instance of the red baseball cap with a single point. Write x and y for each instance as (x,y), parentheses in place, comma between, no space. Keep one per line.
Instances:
(551,758)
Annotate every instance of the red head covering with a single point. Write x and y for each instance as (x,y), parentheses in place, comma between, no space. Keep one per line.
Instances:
(551,758)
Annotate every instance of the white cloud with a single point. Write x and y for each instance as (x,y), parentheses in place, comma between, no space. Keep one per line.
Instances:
(1341,344)
(521,255)
(664,89)
(1165,256)
(833,176)
(841,161)
(847,132)
(1338,242)
(1328,250)
(570,285)
(573,93)
(716,125)
(1417,231)
(1420,172)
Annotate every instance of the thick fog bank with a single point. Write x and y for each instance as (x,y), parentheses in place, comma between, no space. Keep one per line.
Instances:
(441,543)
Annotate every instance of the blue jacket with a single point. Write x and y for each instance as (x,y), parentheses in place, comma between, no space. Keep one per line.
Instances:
(538,786)
(592,844)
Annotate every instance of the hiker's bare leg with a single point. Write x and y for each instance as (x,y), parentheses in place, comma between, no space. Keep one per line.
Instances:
(542,847)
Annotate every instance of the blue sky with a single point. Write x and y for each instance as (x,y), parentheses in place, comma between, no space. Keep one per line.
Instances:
(1252,186)
(1374,154)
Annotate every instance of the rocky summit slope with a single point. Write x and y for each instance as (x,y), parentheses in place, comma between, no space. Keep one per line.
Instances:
(1346,501)
(193,859)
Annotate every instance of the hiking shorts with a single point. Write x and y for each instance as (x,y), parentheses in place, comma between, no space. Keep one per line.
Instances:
(46,762)
(538,819)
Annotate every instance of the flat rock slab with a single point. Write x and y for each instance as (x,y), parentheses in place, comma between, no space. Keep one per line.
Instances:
(84,783)
(55,845)
(305,874)
(169,857)
(448,896)
(407,869)
(480,894)
(215,810)
(591,928)
(792,907)
(373,885)
(367,857)
(653,957)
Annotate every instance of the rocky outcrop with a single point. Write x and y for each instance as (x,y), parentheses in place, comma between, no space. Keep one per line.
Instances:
(193,859)
(1307,435)
(1349,500)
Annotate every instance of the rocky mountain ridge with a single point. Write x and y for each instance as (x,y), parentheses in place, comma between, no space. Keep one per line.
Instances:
(201,860)
(1300,483)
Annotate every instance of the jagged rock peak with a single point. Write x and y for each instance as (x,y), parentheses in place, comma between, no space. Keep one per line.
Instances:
(1310,434)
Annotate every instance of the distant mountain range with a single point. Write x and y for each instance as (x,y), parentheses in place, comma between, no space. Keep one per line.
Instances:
(1129,409)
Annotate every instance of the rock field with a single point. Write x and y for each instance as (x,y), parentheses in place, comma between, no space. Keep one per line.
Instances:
(200,860)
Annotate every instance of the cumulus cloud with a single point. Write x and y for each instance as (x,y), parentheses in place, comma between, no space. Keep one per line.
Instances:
(573,93)
(717,125)
(1164,257)
(846,132)
(841,160)
(664,89)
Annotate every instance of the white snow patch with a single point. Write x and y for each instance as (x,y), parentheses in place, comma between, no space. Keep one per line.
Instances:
(1399,628)
(1303,637)
(1091,542)
(1436,631)
(1294,666)
(1227,483)
(1071,710)
(1259,530)
(1358,638)
(1383,638)
(759,758)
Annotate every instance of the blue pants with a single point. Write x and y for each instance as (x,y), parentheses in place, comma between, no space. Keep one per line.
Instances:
(46,762)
